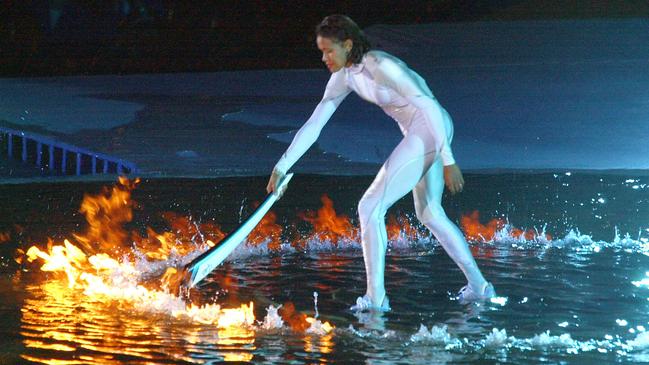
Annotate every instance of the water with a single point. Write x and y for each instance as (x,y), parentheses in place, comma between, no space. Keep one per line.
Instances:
(578,296)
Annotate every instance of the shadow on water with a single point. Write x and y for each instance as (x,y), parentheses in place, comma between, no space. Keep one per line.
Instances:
(575,296)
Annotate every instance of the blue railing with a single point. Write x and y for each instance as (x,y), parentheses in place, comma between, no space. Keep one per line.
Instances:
(61,157)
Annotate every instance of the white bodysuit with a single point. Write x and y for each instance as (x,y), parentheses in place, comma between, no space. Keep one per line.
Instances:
(416,164)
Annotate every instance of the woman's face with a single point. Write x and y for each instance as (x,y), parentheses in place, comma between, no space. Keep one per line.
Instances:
(334,53)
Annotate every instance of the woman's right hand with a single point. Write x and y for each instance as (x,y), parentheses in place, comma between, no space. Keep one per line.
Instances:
(275,178)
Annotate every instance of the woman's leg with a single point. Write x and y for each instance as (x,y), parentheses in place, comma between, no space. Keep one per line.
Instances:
(405,167)
(428,198)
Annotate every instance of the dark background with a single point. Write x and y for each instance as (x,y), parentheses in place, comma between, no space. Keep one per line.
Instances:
(72,37)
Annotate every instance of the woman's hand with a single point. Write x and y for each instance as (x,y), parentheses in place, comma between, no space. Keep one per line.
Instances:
(453,178)
(275,178)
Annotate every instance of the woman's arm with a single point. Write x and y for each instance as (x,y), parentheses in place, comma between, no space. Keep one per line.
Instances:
(308,133)
(335,93)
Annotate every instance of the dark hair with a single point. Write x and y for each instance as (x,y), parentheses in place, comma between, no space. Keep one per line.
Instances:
(341,28)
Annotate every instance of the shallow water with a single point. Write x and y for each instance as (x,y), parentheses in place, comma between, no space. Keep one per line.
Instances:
(576,297)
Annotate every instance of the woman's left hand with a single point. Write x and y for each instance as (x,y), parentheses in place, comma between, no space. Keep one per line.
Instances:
(453,178)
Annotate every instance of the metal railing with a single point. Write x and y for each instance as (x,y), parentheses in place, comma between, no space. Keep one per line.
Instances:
(61,157)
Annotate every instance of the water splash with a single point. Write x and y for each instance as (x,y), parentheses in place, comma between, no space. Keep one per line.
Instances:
(497,339)
(272,320)
(544,340)
(436,336)
(641,342)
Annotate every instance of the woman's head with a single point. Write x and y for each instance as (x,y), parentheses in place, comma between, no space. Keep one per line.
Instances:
(341,41)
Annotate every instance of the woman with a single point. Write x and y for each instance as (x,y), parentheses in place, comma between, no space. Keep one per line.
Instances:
(420,163)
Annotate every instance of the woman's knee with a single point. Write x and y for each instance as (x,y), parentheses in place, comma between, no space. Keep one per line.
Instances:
(368,209)
(429,214)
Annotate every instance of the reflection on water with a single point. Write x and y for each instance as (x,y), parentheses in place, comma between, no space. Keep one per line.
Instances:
(560,304)
(569,297)
(56,319)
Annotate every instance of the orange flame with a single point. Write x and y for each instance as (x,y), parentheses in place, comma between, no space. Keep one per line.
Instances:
(267,231)
(185,227)
(398,227)
(328,225)
(67,258)
(104,278)
(299,322)
(106,214)
(90,266)
(295,320)
(476,231)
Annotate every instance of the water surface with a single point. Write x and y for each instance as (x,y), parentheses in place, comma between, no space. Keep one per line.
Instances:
(573,291)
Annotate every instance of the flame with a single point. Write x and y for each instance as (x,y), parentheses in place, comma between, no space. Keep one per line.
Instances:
(400,227)
(187,237)
(267,231)
(332,227)
(101,266)
(329,226)
(66,258)
(106,213)
(237,316)
(106,279)
(97,273)
(185,227)
(476,231)
(300,322)
(529,235)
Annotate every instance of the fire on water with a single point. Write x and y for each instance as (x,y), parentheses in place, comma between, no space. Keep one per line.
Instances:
(102,263)
(105,262)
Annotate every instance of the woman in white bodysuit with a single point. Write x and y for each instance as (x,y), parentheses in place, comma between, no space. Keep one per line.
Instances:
(422,162)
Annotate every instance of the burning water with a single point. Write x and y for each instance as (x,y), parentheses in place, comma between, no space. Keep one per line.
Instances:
(101,264)
(109,265)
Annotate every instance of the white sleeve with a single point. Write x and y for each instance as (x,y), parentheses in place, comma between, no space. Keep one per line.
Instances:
(334,94)
(393,73)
